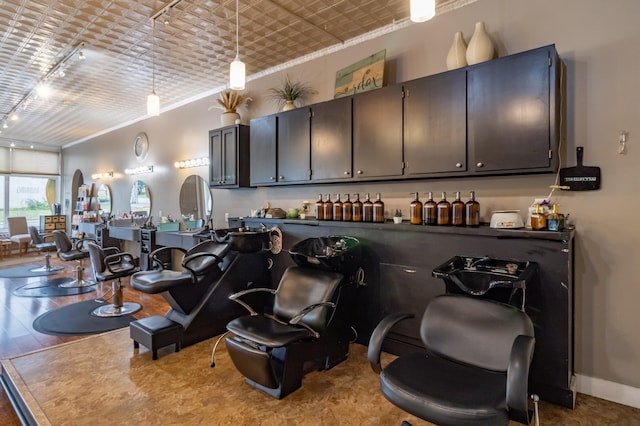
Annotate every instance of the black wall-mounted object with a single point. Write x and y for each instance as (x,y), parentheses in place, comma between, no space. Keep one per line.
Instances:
(579,177)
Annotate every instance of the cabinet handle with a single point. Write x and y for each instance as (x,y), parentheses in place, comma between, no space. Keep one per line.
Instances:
(480,164)
(281,177)
(346,173)
(272,177)
(360,172)
(458,165)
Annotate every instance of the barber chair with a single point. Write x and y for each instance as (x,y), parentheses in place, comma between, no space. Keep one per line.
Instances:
(43,246)
(309,329)
(475,369)
(110,264)
(73,250)
(197,290)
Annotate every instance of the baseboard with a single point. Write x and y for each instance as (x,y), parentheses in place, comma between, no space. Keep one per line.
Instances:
(611,391)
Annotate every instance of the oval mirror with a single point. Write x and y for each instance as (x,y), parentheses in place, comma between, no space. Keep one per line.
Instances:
(140,201)
(195,202)
(104,199)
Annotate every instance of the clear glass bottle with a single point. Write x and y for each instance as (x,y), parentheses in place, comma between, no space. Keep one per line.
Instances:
(430,210)
(328,208)
(367,209)
(347,209)
(457,211)
(472,210)
(444,211)
(357,209)
(319,208)
(415,210)
(378,209)
(337,208)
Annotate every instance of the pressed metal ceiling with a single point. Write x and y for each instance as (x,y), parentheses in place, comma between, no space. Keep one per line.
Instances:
(193,52)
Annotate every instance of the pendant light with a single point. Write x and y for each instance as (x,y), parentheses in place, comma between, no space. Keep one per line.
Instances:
(237,68)
(422,10)
(153,101)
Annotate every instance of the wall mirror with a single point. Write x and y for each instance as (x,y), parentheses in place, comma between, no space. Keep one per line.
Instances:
(104,199)
(140,201)
(195,202)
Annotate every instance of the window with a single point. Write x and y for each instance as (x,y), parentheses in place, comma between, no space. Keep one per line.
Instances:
(29,196)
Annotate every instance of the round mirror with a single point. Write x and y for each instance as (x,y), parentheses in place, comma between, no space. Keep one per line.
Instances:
(104,199)
(195,202)
(140,201)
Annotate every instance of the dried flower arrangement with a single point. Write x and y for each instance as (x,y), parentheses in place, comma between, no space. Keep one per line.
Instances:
(230,100)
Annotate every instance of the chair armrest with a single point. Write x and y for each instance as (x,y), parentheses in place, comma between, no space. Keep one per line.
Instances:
(378,336)
(117,259)
(518,378)
(78,243)
(236,297)
(45,236)
(154,255)
(198,268)
(108,251)
(296,320)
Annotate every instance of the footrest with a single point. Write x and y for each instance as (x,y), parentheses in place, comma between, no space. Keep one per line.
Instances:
(155,332)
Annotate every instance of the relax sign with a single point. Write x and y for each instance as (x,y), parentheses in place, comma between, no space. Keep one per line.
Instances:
(362,76)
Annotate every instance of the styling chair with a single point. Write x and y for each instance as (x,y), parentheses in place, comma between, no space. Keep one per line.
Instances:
(44,244)
(69,249)
(110,264)
(19,234)
(475,369)
(308,329)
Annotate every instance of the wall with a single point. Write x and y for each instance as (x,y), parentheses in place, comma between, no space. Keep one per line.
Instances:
(598,42)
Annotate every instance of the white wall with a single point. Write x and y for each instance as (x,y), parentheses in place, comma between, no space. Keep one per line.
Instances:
(598,42)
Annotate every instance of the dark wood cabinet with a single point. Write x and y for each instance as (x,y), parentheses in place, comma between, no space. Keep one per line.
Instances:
(377,134)
(229,157)
(435,126)
(513,113)
(331,131)
(294,146)
(263,150)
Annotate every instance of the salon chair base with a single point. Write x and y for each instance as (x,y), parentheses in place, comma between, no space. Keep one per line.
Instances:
(109,311)
(47,266)
(155,332)
(79,281)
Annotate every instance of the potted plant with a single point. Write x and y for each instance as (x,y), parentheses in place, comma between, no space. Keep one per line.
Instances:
(290,93)
(229,101)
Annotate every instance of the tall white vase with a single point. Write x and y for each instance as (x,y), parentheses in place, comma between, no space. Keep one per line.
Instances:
(480,47)
(457,56)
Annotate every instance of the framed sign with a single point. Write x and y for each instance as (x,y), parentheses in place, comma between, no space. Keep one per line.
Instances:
(366,74)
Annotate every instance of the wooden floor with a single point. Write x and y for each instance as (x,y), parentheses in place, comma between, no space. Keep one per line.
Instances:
(351,387)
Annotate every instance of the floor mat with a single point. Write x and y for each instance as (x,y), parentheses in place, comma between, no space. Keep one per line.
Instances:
(76,320)
(51,288)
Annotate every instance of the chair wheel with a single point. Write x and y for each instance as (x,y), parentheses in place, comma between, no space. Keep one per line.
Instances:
(213,364)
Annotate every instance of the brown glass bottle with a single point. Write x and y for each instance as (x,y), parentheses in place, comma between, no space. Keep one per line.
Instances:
(337,208)
(430,211)
(319,208)
(357,209)
(328,208)
(444,211)
(457,211)
(538,219)
(378,209)
(415,211)
(367,209)
(347,212)
(472,210)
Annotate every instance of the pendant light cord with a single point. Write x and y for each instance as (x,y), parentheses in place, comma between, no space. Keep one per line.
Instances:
(237,46)
(153,56)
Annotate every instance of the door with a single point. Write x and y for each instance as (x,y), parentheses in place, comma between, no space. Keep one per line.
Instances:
(294,146)
(215,155)
(331,125)
(262,151)
(229,139)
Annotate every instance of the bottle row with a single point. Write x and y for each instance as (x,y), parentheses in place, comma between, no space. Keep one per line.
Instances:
(554,221)
(456,213)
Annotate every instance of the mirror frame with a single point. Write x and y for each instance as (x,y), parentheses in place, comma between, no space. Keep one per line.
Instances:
(147,192)
(188,205)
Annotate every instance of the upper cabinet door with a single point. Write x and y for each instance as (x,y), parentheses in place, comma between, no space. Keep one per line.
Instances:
(263,151)
(230,156)
(377,133)
(510,112)
(215,158)
(435,125)
(294,146)
(331,125)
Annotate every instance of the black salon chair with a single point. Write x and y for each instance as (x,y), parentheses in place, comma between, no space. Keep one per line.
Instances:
(475,370)
(44,244)
(309,329)
(69,249)
(110,264)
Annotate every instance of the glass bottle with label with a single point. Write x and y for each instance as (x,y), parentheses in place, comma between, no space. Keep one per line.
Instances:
(367,209)
(319,208)
(337,208)
(415,210)
(457,211)
(357,209)
(328,208)
(444,211)
(347,212)
(430,211)
(472,210)
(378,209)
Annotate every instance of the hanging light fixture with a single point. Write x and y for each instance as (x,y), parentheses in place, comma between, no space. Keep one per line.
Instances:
(422,10)
(153,101)
(237,69)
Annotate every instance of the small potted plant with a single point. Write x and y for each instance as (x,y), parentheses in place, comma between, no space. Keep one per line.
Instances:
(229,101)
(291,93)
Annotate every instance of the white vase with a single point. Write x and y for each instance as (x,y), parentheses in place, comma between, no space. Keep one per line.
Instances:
(229,118)
(289,105)
(457,56)
(480,47)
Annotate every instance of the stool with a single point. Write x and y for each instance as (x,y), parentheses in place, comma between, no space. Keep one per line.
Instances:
(155,332)
(5,248)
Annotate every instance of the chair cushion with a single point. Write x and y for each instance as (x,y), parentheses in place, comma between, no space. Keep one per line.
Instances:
(445,392)
(20,238)
(266,331)
(154,282)
(73,255)
(46,246)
